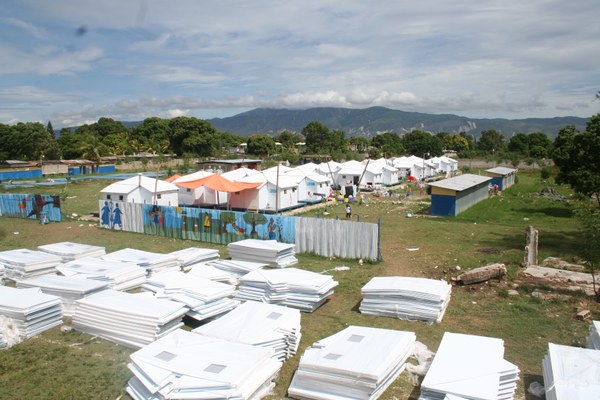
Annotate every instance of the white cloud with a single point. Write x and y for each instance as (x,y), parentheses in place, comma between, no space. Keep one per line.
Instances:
(29,28)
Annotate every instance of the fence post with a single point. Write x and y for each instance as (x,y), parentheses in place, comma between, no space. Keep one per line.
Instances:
(378,239)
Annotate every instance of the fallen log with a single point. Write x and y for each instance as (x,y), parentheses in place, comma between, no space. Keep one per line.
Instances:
(482,274)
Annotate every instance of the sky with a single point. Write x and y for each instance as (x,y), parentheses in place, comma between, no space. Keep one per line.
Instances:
(74,61)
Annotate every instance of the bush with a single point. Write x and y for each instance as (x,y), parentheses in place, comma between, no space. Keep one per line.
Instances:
(545,173)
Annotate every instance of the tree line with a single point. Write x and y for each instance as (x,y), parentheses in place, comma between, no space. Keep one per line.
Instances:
(189,137)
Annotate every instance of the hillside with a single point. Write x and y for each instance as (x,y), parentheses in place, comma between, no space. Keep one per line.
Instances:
(370,121)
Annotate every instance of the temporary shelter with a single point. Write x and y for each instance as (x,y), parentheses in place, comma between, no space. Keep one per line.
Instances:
(355,363)
(141,189)
(311,185)
(270,193)
(502,176)
(444,165)
(571,373)
(404,166)
(186,365)
(454,195)
(470,367)
(191,194)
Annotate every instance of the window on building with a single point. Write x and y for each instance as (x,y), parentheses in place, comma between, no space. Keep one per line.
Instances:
(159,196)
(108,197)
(121,197)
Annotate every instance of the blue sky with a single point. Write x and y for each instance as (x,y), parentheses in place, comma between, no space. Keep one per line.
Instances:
(74,61)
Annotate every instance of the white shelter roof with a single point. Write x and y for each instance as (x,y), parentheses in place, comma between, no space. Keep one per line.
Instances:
(152,185)
(461,182)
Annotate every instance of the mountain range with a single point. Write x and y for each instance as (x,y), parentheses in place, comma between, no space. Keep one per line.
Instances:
(371,121)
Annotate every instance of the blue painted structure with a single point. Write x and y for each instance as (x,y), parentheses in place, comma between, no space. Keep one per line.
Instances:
(450,197)
(21,174)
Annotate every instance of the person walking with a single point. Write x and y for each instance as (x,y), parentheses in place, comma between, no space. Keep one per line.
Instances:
(348,211)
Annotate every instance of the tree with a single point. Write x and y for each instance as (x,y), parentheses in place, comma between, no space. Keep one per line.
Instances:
(288,139)
(419,143)
(519,144)
(589,218)
(50,130)
(491,141)
(360,143)
(539,145)
(320,140)
(456,143)
(576,156)
(388,143)
(254,219)
(260,145)
(30,141)
(191,135)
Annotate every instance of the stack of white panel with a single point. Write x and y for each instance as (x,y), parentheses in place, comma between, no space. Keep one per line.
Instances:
(593,339)
(259,324)
(30,310)
(272,252)
(67,288)
(571,373)
(190,257)
(70,251)
(132,320)
(406,298)
(209,271)
(471,367)
(24,263)
(185,365)
(119,275)
(356,363)
(152,262)
(238,268)
(203,297)
(1,274)
(292,287)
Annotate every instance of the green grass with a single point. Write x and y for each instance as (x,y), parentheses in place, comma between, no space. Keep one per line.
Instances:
(55,365)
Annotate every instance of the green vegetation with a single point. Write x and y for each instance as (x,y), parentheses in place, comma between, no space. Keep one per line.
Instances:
(67,364)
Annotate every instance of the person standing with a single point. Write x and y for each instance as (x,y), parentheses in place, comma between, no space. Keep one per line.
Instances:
(348,211)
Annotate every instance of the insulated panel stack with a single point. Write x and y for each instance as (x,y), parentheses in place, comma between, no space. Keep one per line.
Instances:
(356,363)
(70,251)
(593,339)
(152,262)
(68,289)
(571,373)
(132,320)
(272,252)
(190,257)
(292,287)
(406,298)
(471,367)
(208,271)
(238,268)
(119,275)
(203,297)
(259,324)
(185,365)
(30,311)
(24,263)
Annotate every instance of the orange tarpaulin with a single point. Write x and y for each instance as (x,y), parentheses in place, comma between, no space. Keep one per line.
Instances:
(172,178)
(218,183)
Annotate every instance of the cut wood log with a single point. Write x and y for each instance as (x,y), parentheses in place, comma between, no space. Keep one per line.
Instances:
(482,274)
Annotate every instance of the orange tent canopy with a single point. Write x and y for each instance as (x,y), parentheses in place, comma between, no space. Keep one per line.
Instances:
(218,183)
(172,178)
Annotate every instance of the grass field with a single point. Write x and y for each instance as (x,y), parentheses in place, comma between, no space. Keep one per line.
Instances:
(65,364)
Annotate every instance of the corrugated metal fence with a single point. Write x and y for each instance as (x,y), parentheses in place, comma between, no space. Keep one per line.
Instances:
(326,237)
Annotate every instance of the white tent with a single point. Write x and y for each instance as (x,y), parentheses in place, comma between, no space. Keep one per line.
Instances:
(195,196)
(140,189)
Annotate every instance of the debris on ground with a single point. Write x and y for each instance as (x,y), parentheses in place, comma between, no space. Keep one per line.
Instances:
(551,194)
(482,274)
(555,262)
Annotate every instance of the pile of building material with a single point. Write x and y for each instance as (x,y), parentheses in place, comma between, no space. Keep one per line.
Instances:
(25,263)
(209,271)
(470,367)
(238,268)
(69,289)
(119,275)
(132,320)
(259,324)
(272,252)
(406,298)
(186,365)
(152,262)
(70,251)
(593,339)
(203,297)
(482,274)
(292,287)
(26,313)
(571,373)
(192,256)
(356,363)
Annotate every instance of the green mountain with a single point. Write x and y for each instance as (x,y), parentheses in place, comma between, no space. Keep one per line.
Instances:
(370,121)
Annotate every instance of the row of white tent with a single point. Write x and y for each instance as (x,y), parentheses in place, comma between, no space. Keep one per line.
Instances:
(275,188)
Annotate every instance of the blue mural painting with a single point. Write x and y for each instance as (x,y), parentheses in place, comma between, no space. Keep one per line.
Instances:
(44,208)
(216,226)
(111,215)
